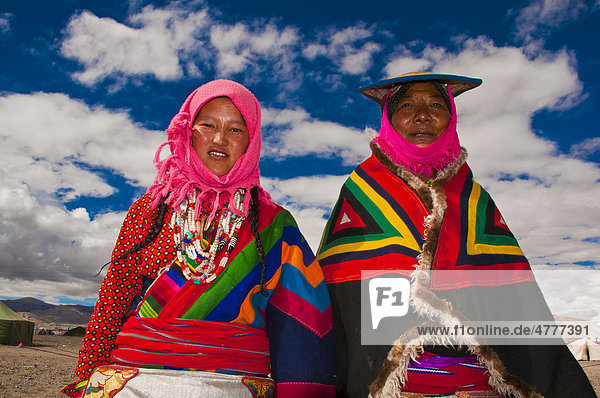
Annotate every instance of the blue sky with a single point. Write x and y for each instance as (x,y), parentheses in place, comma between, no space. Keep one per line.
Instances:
(87,88)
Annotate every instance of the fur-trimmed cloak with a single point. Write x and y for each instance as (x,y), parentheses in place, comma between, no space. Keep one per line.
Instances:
(387,221)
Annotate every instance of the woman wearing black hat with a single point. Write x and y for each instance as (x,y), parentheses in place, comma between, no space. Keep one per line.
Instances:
(413,212)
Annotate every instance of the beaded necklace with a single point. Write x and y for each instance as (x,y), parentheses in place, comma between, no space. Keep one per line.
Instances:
(195,252)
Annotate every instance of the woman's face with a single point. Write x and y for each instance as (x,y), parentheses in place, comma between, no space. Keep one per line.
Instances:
(421,115)
(219,135)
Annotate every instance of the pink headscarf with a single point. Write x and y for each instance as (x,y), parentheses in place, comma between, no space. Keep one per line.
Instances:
(182,172)
(420,160)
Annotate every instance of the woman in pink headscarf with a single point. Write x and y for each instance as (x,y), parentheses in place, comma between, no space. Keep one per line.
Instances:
(412,215)
(209,275)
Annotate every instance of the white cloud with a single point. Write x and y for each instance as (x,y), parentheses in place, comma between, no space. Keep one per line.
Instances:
(291,133)
(571,292)
(305,191)
(47,242)
(48,143)
(47,137)
(309,199)
(240,47)
(405,64)
(586,147)
(152,43)
(539,17)
(174,41)
(5,23)
(347,48)
(359,61)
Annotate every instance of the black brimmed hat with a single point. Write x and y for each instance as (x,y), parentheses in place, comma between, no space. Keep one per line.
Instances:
(458,84)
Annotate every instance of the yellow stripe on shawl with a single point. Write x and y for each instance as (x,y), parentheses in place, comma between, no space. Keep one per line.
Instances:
(146,311)
(370,245)
(405,237)
(480,248)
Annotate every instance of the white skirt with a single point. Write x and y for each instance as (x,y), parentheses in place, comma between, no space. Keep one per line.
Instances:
(160,383)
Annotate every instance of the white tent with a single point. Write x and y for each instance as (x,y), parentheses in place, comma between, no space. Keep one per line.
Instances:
(585,350)
(593,350)
(579,349)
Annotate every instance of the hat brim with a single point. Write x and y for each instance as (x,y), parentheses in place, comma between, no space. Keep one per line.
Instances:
(458,84)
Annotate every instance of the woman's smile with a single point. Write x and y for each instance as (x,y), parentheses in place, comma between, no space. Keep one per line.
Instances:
(220,135)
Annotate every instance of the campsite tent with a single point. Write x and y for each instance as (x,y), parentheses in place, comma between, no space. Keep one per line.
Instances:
(76,331)
(593,350)
(585,350)
(14,329)
(579,349)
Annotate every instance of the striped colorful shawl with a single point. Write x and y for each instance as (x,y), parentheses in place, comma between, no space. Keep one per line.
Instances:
(294,312)
(378,225)
(292,286)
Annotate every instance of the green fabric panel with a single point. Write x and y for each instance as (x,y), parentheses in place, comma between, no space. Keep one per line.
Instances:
(374,211)
(480,236)
(239,267)
(150,302)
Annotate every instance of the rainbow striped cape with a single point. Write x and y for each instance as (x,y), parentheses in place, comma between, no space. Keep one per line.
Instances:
(378,226)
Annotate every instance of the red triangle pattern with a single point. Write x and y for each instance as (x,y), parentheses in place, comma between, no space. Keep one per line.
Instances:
(499,220)
(348,218)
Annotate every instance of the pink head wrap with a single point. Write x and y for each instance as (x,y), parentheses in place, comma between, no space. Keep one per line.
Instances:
(420,160)
(182,172)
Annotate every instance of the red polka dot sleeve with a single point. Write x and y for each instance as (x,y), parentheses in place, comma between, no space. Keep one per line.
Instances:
(123,283)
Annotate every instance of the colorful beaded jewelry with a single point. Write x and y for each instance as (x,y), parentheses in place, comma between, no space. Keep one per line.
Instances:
(195,251)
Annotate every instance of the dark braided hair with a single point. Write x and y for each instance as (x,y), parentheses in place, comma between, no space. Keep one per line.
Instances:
(158,223)
(399,92)
(253,214)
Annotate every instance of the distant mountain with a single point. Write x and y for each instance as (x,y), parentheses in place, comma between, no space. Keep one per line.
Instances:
(44,313)
(27,304)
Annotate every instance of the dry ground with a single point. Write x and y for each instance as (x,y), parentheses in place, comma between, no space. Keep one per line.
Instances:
(40,370)
(43,369)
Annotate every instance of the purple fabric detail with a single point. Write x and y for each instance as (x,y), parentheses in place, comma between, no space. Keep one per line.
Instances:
(420,160)
(302,389)
(441,361)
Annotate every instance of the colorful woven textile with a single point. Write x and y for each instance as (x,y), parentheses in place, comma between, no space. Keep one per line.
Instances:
(436,374)
(376,216)
(198,345)
(458,394)
(295,311)
(107,381)
(123,282)
(474,235)
(378,226)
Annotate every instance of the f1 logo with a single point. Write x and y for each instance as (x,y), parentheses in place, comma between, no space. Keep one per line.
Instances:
(389,297)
